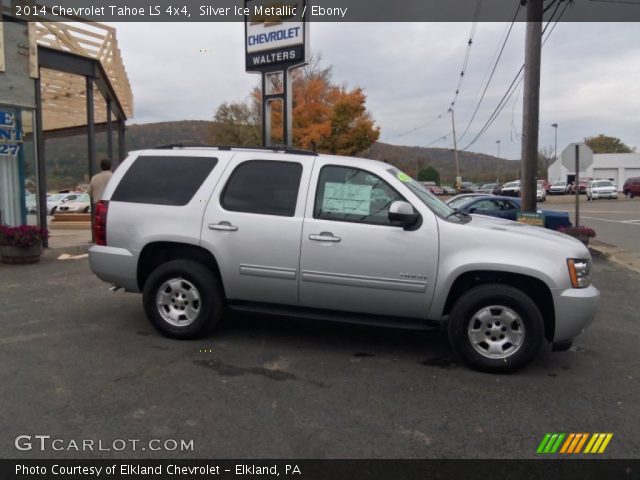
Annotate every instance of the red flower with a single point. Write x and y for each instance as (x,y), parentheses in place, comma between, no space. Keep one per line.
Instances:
(24,236)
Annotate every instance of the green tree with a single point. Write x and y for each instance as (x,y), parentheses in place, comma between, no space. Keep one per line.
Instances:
(237,123)
(429,174)
(605,144)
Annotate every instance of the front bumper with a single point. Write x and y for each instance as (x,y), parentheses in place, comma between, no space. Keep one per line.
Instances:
(575,310)
(115,265)
(604,194)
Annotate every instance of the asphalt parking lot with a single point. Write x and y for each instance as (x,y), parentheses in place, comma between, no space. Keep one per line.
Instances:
(616,222)
(80,362)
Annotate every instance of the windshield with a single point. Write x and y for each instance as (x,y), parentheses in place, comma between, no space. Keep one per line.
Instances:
(459,202)
(559,184)
(55,197)
(436,205)
(605,183)
(512,184)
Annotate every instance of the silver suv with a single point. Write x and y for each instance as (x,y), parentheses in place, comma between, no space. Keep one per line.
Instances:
(201,229)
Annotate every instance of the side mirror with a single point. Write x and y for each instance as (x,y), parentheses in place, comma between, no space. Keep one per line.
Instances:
(402,213)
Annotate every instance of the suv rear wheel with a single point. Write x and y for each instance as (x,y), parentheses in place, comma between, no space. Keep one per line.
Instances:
(496,328)
(183,299)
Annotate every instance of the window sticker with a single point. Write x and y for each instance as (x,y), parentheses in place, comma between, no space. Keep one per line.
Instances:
(403,177)
(347,198)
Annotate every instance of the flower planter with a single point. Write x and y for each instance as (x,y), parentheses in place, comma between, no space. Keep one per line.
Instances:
(20,256)
(583,238)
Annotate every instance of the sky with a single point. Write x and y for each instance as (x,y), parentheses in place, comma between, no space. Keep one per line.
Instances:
(590,80)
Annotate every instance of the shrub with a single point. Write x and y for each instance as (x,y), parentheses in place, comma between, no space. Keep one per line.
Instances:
(578,231)
(24,236)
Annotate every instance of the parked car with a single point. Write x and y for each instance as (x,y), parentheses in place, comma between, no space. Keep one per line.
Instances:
(601,189)
(511,189)
(82,204)
(541,193)
(545,185)
(453,202)
(490,188)
(559,188)
(31,202)
(467,187)
(447,190)
(583,183)
(509,208)
(631,187)
(198,230)
(433,188)
(54,200)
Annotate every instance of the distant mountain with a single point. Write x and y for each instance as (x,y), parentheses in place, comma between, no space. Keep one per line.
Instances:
(67,157)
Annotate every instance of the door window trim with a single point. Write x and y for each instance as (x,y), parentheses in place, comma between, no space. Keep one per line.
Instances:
(360,222)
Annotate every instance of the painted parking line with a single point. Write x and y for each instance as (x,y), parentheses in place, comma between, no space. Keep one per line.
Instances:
(627,222)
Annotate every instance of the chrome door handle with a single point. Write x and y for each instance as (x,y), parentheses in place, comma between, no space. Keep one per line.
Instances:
(223,226)
(324,237)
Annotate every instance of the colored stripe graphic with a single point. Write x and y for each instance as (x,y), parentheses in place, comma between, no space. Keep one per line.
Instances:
(573,443)
(598,443)
(550,443)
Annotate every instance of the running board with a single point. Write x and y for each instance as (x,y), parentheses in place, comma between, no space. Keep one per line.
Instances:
(334,316)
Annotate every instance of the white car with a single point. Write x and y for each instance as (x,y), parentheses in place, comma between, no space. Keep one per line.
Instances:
(511,189)
(601,189)
(54,200)
(559,188)
(82,204)
(541,194)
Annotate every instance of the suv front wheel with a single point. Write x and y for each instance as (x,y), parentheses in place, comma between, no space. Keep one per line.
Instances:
(183,299)
(496,328)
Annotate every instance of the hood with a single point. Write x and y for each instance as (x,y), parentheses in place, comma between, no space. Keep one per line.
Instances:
(526,234)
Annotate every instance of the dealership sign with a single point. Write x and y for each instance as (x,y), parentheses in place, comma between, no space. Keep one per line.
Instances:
(10,136)
(275,34)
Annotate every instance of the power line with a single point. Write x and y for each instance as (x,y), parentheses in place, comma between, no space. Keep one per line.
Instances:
(419,127)
(516,80)
(493,71)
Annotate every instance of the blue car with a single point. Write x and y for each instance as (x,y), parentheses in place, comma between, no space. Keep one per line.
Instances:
(507,208)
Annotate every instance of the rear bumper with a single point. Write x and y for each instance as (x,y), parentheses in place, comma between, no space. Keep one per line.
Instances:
(575,310)
(115,265)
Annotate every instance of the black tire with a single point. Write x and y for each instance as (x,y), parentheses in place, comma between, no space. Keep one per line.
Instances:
(628,194)
(501,295)
(86,210)
(210,305)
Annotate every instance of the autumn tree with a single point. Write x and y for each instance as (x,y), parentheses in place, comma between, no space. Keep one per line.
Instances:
(327,118)
(605,144)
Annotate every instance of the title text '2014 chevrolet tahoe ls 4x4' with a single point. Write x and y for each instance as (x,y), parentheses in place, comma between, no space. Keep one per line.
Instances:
(199,229)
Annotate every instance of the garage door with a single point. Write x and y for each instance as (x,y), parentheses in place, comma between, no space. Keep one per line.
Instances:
(606,173)
(630,172)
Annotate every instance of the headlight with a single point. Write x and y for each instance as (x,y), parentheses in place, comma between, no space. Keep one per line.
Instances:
(579,272)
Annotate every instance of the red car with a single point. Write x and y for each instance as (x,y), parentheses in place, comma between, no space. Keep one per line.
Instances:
(631,187)
(433,188)
(582,185)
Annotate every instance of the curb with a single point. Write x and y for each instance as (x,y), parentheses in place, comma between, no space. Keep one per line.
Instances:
(617,255)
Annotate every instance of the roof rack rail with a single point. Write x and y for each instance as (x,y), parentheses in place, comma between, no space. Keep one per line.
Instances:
(273,148)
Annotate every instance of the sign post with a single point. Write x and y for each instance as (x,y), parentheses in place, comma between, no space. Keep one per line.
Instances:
(276,42)
(577,184)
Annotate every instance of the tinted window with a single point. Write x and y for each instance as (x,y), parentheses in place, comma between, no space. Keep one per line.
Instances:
(163,180)
(353,195)
(485,205)
(264,187)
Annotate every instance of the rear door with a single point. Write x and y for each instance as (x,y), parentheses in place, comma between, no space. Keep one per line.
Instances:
(253,224)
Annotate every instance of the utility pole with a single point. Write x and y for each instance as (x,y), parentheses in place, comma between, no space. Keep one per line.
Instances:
(455,150)
(531,104)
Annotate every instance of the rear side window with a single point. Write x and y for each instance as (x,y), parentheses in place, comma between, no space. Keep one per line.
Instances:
(163,180)
(263,187)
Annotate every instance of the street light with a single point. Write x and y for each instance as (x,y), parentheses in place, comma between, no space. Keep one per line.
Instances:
(555,148)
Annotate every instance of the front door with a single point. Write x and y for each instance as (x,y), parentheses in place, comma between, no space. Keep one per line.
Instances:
(352,258)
